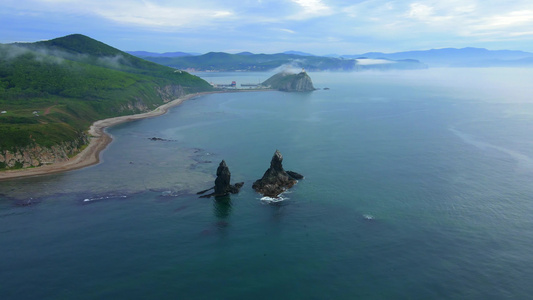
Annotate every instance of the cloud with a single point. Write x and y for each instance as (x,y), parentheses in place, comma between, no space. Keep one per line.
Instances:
(370,61)
(439,20)
(374,25)
(524,33)
(288,30)
(151,14)
(508,20)
(312,6)
(311,9)
(420,11)
(142,13)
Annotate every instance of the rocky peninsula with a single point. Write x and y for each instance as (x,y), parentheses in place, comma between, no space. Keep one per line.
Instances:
(290,82)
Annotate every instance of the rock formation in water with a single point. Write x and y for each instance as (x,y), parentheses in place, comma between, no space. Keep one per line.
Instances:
(289,82)
(295,175)
(222,183)
(276,180)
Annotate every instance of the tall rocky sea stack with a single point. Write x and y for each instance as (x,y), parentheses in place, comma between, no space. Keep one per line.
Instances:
(289,82)
(276,180)
(222,183)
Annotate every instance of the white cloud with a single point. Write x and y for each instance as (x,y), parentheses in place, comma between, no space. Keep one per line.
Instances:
(370,9)
(144,13)
(437,20)
(288,30)
(152,14)
(311,9)
(511,19)
(371,61)
(386,23)
(522,33)
(312,6)
(420,11)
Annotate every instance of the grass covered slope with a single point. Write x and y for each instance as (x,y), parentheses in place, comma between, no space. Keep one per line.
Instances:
(51,91)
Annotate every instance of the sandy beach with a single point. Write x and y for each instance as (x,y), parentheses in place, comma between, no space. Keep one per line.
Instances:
(98,142)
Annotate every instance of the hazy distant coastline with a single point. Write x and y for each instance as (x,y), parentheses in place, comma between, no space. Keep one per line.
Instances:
(247,61)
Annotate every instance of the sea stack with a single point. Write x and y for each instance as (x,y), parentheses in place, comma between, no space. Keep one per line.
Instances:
(276,180)
(222,183)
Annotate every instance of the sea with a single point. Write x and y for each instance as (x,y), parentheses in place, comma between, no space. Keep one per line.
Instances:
(418,185)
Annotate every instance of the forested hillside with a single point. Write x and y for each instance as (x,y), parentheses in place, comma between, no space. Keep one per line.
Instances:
(220,61)
(51,91)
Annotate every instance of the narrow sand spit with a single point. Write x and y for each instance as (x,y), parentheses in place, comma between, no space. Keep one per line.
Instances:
(98,142)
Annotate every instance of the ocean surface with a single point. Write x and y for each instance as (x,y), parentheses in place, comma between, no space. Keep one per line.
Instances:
(418,185)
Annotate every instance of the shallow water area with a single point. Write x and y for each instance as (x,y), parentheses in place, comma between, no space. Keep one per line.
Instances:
(417,185)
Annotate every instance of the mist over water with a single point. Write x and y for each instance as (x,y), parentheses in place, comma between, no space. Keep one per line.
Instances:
(417,185)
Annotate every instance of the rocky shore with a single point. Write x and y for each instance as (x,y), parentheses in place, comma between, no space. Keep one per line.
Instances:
(35,156)
(98,141)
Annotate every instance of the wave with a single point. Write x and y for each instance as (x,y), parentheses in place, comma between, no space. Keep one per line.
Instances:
(280,198)
(102,198)
(368,217)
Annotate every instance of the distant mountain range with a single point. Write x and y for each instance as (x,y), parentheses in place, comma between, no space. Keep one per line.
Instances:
(143,54)
(452,57)
(523,62)
(247,61)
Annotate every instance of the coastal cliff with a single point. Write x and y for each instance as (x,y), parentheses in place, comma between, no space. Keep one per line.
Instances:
(289,82)
(37,155)
(34,154)
(170,92)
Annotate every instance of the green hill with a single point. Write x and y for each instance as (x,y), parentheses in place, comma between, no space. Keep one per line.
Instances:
(51,91)
(289,82)
(220,61)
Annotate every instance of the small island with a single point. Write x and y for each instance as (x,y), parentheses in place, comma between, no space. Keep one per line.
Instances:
(289,82)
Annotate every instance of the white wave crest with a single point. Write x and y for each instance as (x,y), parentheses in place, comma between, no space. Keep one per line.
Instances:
(102,198)
(368,217)
(273,200)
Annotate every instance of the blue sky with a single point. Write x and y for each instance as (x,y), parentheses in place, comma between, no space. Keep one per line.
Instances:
(261,26)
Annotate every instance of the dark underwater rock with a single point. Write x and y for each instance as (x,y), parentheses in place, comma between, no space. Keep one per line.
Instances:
(275,180)
(160,139)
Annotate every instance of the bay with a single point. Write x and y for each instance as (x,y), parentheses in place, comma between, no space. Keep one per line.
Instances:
(417,185)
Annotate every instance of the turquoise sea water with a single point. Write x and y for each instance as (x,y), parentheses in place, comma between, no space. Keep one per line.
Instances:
(418,185)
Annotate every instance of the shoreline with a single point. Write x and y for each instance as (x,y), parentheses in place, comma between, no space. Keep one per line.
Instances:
(99,140)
